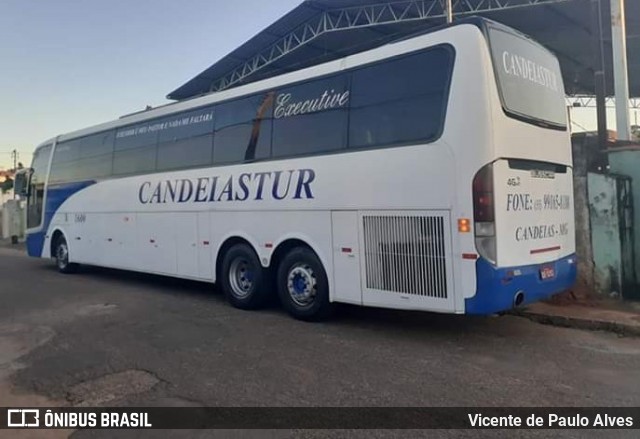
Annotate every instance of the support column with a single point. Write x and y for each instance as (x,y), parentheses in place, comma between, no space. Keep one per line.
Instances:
(620,72)
(599,80)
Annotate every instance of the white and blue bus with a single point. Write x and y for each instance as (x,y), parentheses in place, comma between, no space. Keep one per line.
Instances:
(433,173)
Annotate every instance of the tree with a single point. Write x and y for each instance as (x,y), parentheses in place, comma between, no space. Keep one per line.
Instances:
(6,185)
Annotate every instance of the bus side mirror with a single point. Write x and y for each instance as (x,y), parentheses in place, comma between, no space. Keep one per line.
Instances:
(21,183)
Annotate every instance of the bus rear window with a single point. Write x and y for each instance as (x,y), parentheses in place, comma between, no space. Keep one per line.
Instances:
(529,79)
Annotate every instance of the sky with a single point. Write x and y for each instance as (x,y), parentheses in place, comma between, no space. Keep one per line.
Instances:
(70,64)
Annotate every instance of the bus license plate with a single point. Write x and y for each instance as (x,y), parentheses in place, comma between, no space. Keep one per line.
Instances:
(547,273)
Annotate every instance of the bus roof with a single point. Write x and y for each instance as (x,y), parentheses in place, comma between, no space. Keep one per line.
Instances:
(253,87)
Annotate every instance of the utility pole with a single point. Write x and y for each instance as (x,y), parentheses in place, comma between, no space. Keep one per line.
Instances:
(14,155)
(620,72)
(598,74)
(449,11)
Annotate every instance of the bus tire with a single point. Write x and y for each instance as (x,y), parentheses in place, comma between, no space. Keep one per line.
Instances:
(61,255)
(243,279)
(302,285)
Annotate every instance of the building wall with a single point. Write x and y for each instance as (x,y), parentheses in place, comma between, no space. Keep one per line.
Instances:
(605,233)
(582,145)
(627,162)
(4,197)
(12,220)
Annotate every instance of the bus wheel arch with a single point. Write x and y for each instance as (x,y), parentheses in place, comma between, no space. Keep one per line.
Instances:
(283,248)
(224,248)
(60,251)
(240,275)
(301,280)
(54,238)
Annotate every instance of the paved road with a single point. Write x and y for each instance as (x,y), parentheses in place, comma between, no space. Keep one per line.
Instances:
(112,337)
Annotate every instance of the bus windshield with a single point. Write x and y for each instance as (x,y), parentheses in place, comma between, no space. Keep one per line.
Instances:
(36,190)
(529,78)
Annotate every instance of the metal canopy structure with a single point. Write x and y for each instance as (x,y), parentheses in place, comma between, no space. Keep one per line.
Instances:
(590,102)
(322,30)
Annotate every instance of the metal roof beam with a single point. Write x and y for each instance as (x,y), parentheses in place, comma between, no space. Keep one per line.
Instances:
(590,102)
(392,12)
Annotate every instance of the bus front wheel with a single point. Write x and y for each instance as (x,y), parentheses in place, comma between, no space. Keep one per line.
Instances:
(243,279)
(302,285)
(61,255)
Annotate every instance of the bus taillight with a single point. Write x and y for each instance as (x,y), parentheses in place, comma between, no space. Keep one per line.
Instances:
(483,195)
(484,213)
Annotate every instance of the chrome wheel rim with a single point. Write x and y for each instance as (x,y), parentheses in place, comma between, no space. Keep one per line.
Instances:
(302,284)
(62,255)
(241,277)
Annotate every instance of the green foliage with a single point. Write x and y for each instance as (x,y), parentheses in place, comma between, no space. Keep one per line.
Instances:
(6,185)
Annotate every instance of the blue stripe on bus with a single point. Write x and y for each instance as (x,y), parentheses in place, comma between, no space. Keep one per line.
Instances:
(497,287)
(55,197)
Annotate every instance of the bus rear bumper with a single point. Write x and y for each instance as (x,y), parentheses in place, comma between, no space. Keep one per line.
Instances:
(498,288)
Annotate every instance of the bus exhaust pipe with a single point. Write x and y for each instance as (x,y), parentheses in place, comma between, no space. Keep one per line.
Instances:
(518,299)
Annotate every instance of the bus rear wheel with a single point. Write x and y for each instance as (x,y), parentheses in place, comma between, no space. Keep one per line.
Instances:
(302,285)
(243,279)
(61,255)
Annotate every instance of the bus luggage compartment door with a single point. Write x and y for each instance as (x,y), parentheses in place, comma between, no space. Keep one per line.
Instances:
(407,260)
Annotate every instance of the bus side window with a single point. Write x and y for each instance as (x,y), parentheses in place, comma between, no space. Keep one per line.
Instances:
(243,130)
(311,118)
(96,156)
(66,158)
(400,101)
(186,140)
(135,149)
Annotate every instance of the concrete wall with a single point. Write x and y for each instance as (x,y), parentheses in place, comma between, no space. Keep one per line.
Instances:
(4,197)
(582,152)
(605,234)
(12,219)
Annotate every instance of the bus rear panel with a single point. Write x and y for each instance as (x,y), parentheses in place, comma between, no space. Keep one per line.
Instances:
(523,200)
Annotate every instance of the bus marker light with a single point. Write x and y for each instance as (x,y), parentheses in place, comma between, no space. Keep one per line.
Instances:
(464,225)
(205,242)
(268,245)
(471,256)
(346,250)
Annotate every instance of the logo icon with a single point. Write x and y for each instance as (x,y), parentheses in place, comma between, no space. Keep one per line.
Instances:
(23,418)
